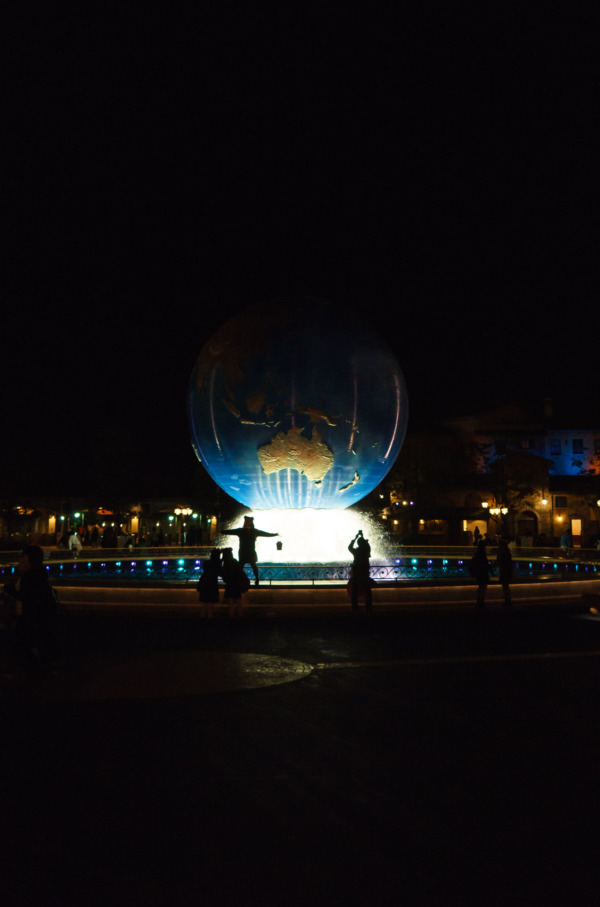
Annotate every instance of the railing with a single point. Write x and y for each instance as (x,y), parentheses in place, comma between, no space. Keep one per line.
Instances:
(184,565)
(525,551)
(111,554)
(589,555)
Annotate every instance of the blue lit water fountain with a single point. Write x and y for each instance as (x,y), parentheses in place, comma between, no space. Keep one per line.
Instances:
(298,409)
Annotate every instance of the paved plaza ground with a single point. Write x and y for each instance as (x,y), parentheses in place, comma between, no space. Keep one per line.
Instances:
(427,756)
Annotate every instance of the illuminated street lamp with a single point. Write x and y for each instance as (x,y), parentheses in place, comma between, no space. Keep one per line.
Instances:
(496,510)
(181,513)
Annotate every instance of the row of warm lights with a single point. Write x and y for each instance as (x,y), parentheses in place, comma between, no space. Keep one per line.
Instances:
(179,511)
(80,516)
(183,512)
(187,511)
(503,509)
(397,504)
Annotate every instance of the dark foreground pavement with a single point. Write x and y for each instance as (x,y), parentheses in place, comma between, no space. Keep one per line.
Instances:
(422,758)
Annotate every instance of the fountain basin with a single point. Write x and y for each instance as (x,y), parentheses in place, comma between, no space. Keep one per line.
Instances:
(183,569)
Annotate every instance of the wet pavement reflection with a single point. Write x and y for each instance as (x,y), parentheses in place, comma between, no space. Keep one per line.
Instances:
(433,759)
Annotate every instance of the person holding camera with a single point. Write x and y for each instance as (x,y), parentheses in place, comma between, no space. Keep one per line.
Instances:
(360,585)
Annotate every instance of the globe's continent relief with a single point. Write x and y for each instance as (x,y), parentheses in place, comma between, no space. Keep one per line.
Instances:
(297,403)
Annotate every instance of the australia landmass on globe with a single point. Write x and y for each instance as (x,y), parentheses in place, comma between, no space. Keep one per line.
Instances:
(293,450)
(311,457)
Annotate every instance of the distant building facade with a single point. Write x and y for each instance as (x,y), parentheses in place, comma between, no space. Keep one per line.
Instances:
(532,480)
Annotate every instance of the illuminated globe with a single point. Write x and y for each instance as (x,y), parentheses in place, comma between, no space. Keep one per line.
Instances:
(297,404)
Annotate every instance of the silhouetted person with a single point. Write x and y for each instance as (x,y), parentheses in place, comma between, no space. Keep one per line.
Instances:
(34,644)
(157,539)
(247,536)
(566,542)
(109,538)
(504,562)
(236,582)
(208,584)
(479,569)
(360,575)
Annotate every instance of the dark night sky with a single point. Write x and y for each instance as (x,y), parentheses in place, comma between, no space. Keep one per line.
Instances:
(436,169)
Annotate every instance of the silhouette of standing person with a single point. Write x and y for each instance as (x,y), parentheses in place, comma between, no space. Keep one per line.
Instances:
(247,536)
(566,542)
(208,584)
(35,640)
(504,562)
(236,582)
(360,577)
(479,569)
(109,538)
